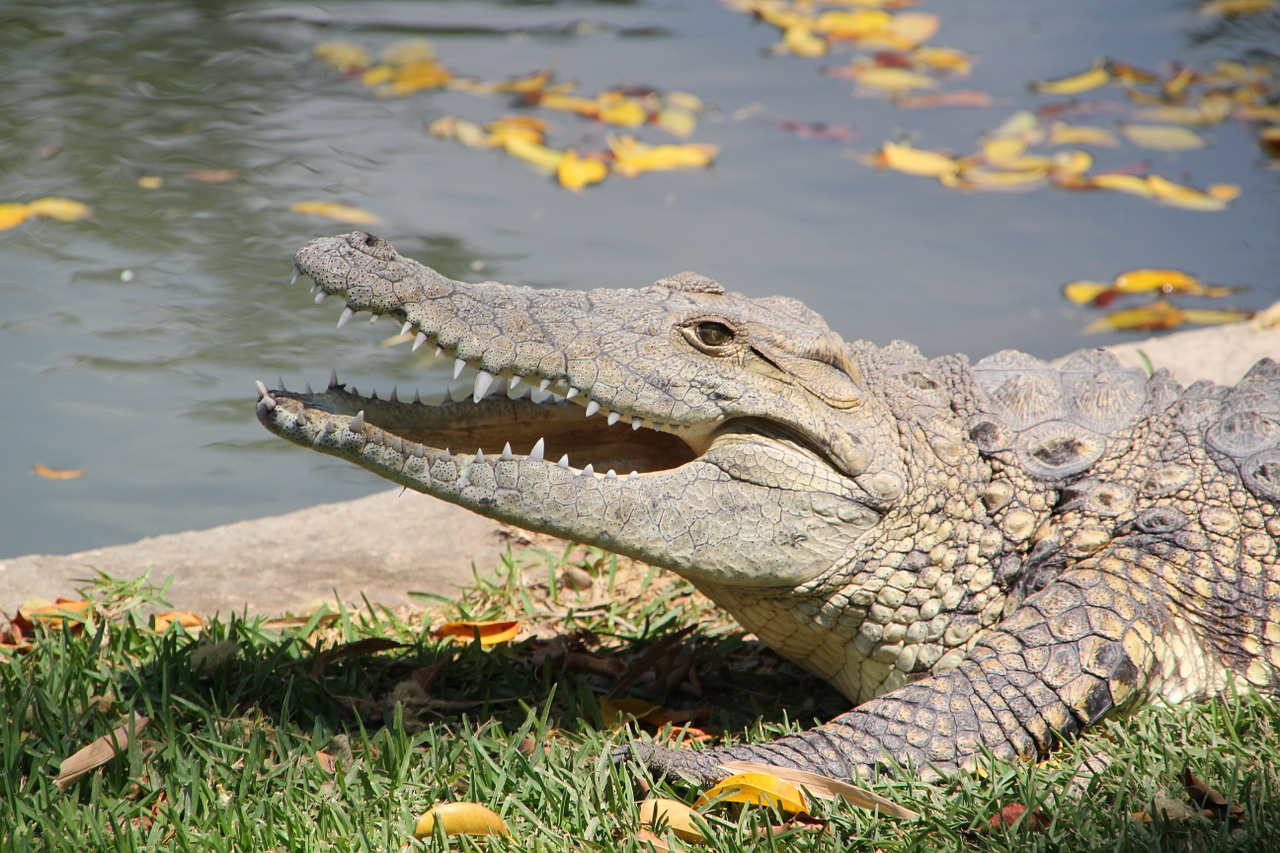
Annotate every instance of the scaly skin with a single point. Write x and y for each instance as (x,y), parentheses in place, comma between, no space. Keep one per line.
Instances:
(986,557)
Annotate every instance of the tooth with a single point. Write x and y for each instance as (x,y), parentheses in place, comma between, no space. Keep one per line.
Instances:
(483,380)
(293,279)
(458,364)
(506,453)
(592,408)
(267,402)
(314,289)
(321,297)
(357,423)
(633,475)
(375,318)
(544,384)
(613,418)
(539,396)
(373,395)
(513,382)
(417,398)
(404,330)
(328,426)
(333,380)
(564,461)
(611,474)
(439,351)
(446,456)
(309,390)
(397,444)
(262,389)
(479,455)
(448,395)
(590,469)
(418,341)
(571,393)
(635,423)
(419,451)
(395,394)
(539,447)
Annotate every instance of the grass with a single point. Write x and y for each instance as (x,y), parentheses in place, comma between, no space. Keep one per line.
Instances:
(335,732)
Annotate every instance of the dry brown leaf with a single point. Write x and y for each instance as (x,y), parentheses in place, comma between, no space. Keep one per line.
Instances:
(97,753)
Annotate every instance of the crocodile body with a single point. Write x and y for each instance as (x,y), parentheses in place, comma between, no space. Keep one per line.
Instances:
(983,557)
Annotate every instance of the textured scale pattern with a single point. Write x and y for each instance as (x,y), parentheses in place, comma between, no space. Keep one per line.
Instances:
(983,558)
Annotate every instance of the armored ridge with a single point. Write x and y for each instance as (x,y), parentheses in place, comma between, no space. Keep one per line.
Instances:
(986,557)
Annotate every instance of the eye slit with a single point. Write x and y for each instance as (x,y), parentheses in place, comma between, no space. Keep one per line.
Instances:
(713,334)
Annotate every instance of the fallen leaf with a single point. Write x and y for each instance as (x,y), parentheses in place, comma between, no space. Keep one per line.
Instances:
(677,121)
(1016,813)
(12,214)
(489,632)
(662,812)
(345,56)
(826,788)
(336,210)
(1204,797)
(213,176)
(1190,198)
(460,819)
(1131,184)
(1163,137)
(960,98)
(1084,292)
(61,209)
(1061,133)
(903,157)
(632,157)
(97,753)
(544,158)
(161,621)
(894,80)
(800,40)
(615,108)
(946,59)
(55,615)
(1157,316)
(996,180)
(56,473)
(1085,81)
(1235,7)
(756,788)
(575,172)
(151,182)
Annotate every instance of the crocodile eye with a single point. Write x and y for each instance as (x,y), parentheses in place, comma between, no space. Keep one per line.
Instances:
(713,334)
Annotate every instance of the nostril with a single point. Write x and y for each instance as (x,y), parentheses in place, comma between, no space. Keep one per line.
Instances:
(371,241)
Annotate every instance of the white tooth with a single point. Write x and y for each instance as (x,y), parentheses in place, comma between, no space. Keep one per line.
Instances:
(418,341)
(262,389)
(293,279)
(513,382)
(564,461)
(633,475)
(313,290)
(590,469)
(538,396)
(539,447)
(544,384)
(267,402)
(458,364)
(375,318)
(483,380)
(557,398)
(446,456)
(506,452)
(321,297)
(592,408)
(404,330)
(439,351)
(613,418)
(479,455)
(611,474)
(635,423)
(571,393)
(357,423)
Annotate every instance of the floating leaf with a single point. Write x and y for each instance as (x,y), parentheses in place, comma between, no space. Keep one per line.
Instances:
(659,812)
(575,172)
(902,157)
(943,59)
(1162,137)
(631,157)
(489,632)
(56,473)
(1084,292)
(677,121)
(12,214)
(1085,81)
(1166,281)
(890,79)
(961,98)
(1061,133)
(1190,198)
(996,180)
(342,55)
(1236,7)
(336,210)
(1131,184)
(615,108)
(827,788)
(61,209)
(800,40)
(1215,316)
(1157,316)
(756,788)
(410,51)
(460,819)
(213,176)
(544,158)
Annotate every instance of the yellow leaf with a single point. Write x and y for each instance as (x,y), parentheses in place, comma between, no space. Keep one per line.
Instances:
(572,103)
(1189,198)
(1147,318)
(943,59)
(342,55)
(1084,292)
(914,161)
(412,51)
(660,812)
(1162,137)
(150,182)
(890,79)
(1131,184)
(490,632)
(378,75)
(576,172)
(467,133)
(1085,81)
(1235,7)
(852,24)
(1176,85)
(1002,150)
(910,29)
(543,158)
(801,41)
(684,101)
(993,180)
(335,210)
(57,473)
(1145,280)
(12,214)
(1214,316)
(1061,133)
(755,788)
(161,621)
(1258,112)
(415,77)
(1223,192)
(677,121)
(631,157)
(626,112)
(61,209)
(826,788)
(1176,115)
(1068,165)
(460,819)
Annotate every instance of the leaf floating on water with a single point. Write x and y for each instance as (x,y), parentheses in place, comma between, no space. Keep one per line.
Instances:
(632,157)
(757,788)
(1086,81)
(345,56)
(61,209)
(540,156)
(576,172)
(1236,7)
(56,473)
(213,176)
(960,98)
(1216,197)
(336,210)
(1084,292)
(460,819)
(1061,133)
(12,215)
(902,157)
(1158,316)
(489,633)
(1163,137)
(888,79)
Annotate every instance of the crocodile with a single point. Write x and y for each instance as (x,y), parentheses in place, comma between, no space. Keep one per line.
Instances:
(985,558)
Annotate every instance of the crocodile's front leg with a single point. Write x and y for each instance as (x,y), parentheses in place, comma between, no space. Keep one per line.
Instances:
(1074,651)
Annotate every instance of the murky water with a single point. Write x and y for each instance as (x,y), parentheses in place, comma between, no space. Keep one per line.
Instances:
(129,341)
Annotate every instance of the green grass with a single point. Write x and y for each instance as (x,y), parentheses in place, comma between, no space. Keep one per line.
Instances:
(296,740)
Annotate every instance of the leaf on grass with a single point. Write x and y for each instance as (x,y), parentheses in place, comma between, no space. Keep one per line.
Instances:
(826,788)
(660,813)
(489,633)
(756,788)
(56,473)
(97,753)
(1015,814)
(188,620)
(460,819)
(1206,798)
(336,210)
(1163,137)
(1075,84)
(61,209)
(903,157)
(56,615)
(576,172)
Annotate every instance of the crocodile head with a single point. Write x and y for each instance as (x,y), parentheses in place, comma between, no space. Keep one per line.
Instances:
(726,438)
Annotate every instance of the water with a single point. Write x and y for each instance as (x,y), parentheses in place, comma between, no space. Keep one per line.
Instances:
(130,341)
